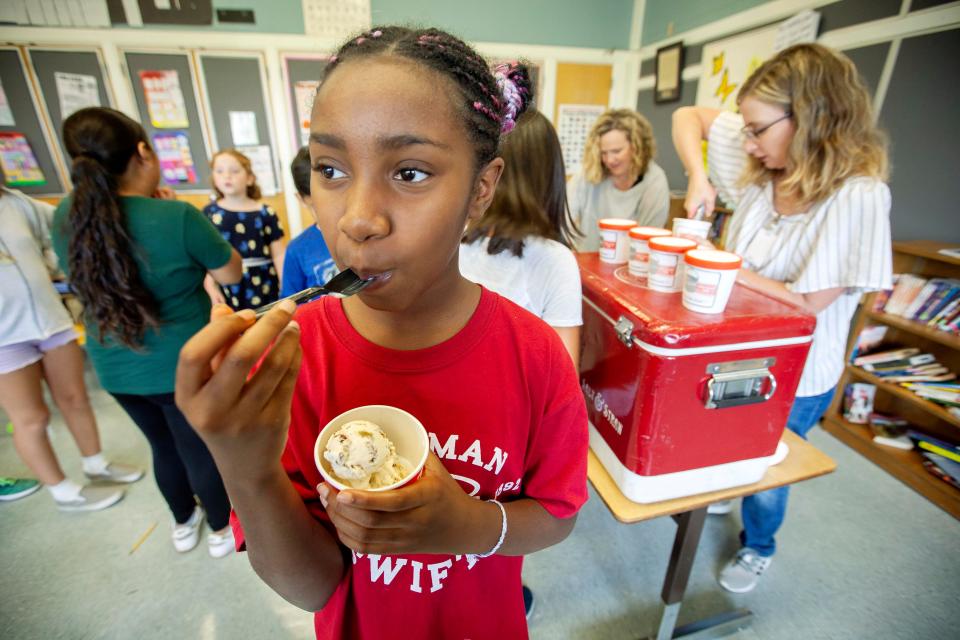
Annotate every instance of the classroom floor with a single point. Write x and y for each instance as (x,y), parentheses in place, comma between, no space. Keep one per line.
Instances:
(861,556)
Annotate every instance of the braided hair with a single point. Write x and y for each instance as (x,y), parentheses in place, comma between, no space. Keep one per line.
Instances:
(103,271)
(489,102)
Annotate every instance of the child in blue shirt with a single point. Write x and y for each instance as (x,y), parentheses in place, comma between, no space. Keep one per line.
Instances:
(308,262)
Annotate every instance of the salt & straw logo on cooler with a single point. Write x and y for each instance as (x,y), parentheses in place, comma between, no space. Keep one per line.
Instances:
(601,407)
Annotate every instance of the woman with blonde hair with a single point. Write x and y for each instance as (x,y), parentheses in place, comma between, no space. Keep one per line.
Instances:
(803,165)
(619,177)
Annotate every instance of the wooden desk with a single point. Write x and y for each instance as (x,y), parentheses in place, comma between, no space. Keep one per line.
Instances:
(803,462)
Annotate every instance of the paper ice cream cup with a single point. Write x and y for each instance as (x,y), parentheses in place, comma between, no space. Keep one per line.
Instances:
(406,432)
(691,227)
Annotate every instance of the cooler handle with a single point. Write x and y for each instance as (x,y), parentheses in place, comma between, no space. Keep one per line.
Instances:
(717,384)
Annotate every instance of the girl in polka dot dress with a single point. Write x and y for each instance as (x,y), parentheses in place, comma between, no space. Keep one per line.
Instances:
(251,227)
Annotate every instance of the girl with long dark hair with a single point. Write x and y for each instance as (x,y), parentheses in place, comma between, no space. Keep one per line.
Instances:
(137,263)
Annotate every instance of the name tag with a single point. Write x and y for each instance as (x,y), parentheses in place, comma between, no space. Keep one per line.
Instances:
(759,250)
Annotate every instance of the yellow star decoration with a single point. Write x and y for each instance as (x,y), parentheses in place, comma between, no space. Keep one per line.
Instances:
(726,87)
(753,66)
(717,64)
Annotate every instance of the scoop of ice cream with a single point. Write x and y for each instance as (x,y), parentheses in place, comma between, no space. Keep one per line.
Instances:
(363,457)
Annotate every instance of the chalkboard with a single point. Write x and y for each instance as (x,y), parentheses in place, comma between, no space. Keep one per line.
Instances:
(47,63)
(222,77)
(300,69)
(25,111)
(193,131)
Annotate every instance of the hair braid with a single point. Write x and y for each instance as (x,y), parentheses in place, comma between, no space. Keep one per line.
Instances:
(488,105)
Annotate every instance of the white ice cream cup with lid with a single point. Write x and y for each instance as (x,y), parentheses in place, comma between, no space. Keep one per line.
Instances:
(614,239)
(691,227)
(406,432)
(639,249)
(666,263)
(709,276)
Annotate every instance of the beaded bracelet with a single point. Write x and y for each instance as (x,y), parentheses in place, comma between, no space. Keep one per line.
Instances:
(503,531)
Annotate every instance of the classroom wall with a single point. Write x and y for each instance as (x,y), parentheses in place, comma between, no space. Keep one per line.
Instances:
(919,99)
(571,23)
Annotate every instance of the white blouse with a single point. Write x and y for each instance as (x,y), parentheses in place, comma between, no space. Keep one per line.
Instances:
(545,281)
(842,241)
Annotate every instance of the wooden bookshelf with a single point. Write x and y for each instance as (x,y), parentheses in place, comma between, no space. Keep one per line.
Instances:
(921,258)
(905,394)
(904,465)
(951,340)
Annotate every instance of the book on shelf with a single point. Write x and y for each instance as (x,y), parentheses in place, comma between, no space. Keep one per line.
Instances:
(890,431)
(922,300)
(885,356)
(947,465)
(935,445)
(906,290)
(900,363)
(938,471)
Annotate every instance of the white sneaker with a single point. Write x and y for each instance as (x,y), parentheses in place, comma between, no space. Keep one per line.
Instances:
(743,572)
(721,508)
(187,535)
(116,472)
(221,544)
(91,499)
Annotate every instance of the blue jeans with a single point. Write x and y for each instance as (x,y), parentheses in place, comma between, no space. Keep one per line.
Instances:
(763,512)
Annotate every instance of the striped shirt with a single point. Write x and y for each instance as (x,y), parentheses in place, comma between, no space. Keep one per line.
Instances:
(842,241)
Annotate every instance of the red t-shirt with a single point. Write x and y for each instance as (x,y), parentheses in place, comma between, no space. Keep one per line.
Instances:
(506,417)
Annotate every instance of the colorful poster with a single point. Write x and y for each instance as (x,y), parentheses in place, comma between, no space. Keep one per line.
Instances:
(176,163)
(262,163)
(243,128)
(18,162)
(573,125)
(165,103)
(6,115)
(76,91)
(726,64)
(304,91)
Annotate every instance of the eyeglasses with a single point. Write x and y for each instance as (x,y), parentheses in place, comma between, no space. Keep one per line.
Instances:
(754,134)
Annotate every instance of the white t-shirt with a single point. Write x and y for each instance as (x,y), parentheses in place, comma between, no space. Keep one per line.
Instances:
(647,202)
(842,241)
(30,307)
(545,281)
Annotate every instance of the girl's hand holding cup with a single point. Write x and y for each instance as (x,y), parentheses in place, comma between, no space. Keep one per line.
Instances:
(431,515)
(242,418)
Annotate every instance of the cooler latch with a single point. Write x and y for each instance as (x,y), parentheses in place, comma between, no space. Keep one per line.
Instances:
(624,329)
(733,384)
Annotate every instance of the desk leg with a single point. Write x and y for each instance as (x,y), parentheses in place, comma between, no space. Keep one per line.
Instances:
(689,528)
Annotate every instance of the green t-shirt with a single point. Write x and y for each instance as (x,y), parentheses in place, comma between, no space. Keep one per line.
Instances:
(175,245)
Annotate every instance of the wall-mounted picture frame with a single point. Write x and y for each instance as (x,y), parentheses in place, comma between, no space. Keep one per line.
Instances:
(669,68)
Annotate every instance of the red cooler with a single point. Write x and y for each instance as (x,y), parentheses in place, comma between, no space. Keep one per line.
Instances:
(680,402)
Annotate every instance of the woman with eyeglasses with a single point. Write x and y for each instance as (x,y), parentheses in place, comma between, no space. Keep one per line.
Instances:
(803,165)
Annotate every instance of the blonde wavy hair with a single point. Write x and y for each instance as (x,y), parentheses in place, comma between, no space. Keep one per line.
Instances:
(639,134)
(836,136)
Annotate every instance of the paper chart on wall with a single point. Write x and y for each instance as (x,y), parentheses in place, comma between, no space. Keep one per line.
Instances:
(304,92)
(6,115)
(18,162)
(726,64)
(335,19)
(574,122)
(262,164)
(164,98)
(176,163)
(243,128)
(802,27)
(76,91)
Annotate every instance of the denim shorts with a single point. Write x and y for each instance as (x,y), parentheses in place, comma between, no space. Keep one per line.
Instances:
(23,354)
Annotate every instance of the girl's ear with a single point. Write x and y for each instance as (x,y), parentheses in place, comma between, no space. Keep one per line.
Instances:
(144,152)
(485,187)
